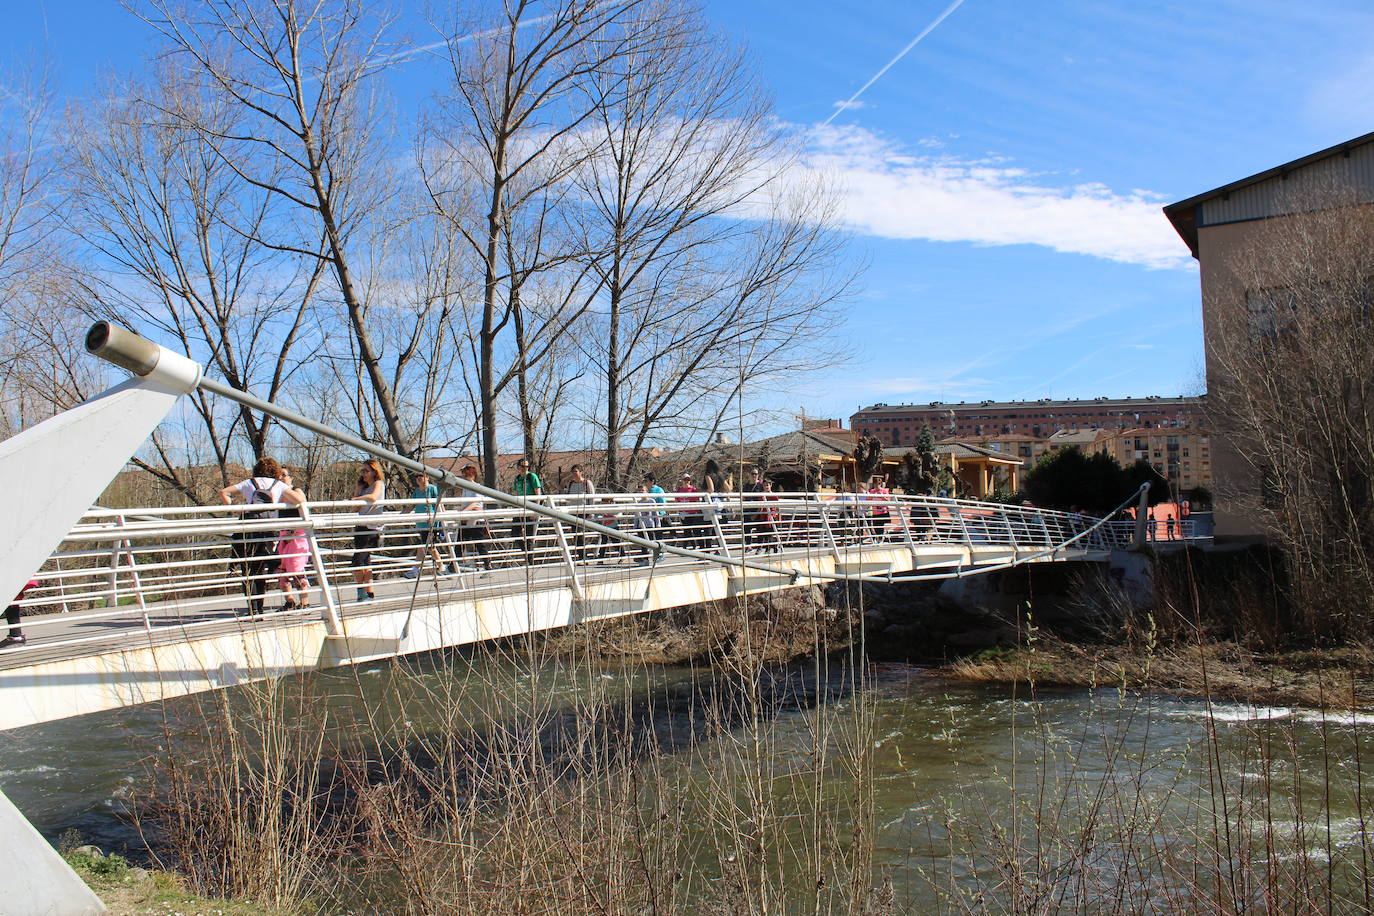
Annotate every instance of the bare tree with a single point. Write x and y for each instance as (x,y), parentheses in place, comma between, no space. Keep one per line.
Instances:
(172,235)
(496,152)
(712,269)
(307,131)
(40,371)
(1292,395)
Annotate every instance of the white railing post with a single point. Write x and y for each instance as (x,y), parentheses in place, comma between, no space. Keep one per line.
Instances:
(963,526)
(138,579)
(333,625)
(115,547)
(903,514)
(711,507)
(574,582)
(61,586)
(124,548)
(826,529)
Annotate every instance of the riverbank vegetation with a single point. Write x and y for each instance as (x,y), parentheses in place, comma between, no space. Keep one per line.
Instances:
(519,780)
(1292,398)
(1225,624)
(134,891)
(577,772)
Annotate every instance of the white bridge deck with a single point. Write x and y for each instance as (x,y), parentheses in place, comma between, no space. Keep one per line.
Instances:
(140,605)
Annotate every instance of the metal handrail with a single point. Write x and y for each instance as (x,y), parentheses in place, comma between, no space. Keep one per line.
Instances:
(170,568)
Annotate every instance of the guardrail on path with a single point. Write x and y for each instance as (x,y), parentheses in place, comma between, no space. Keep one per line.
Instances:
(131,571)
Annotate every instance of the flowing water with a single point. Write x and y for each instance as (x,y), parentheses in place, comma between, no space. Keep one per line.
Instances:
(962,780)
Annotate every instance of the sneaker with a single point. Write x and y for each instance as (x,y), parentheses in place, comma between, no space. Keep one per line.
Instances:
(10,642)
(412,573)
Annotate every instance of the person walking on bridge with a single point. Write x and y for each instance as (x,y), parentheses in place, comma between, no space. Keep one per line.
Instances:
(256,551)
(474,537)
(649,518)
(760,530)
(367,537)
(690,523)
(430,532)
(12,614)
(526,483)
(580,486)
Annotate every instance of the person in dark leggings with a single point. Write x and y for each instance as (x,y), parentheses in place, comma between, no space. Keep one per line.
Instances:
(12,615)
(256,551)
(474,537)
(526,483)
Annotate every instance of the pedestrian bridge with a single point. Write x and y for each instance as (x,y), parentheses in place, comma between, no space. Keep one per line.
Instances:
(144,604)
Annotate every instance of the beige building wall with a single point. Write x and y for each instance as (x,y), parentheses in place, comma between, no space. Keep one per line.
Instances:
(1236,476)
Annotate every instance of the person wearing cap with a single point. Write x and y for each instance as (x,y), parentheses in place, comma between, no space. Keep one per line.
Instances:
(526,483)
(689,519)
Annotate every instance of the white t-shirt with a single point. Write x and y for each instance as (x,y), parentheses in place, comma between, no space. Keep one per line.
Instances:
(266,484)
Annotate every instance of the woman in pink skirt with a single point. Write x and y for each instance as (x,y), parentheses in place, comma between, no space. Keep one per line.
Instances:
(292,551)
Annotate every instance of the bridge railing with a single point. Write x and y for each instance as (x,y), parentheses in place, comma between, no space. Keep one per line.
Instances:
(1162,531)
(129,572)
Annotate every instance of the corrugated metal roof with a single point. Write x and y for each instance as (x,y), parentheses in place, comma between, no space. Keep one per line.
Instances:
(1294,191)
(1185,214)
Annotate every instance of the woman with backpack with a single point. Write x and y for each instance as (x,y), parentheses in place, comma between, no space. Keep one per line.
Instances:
(256,551)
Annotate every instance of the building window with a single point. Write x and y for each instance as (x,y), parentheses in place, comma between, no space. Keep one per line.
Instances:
(1269,312)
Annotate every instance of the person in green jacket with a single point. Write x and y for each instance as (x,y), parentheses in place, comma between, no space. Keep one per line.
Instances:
(526,483)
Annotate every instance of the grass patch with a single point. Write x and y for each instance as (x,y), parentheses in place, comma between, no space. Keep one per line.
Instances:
(130,891)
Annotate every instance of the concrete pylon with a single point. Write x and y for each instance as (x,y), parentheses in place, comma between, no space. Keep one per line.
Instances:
(37,881)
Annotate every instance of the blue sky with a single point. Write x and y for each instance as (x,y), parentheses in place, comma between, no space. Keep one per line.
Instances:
(1003,180)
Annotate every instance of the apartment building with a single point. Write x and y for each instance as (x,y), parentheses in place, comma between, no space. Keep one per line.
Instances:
(900,424)
(1182,455)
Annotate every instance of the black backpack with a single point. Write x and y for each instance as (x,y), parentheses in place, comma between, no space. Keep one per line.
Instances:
(260,497)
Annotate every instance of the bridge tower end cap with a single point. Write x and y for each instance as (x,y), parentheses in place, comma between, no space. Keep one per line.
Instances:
(142,357)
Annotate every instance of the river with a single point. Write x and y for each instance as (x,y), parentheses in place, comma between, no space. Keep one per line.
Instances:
(962,793)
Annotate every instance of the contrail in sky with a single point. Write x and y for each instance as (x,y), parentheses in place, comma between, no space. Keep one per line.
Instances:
(888,66)
(410,53)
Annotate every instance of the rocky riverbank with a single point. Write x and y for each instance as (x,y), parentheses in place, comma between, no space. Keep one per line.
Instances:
(1047,627)
(1327,678)
(771,628)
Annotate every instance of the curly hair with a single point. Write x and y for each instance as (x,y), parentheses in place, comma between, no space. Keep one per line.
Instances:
(267,467)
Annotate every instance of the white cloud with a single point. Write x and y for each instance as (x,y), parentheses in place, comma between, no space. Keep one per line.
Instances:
(889,192)
(851,105)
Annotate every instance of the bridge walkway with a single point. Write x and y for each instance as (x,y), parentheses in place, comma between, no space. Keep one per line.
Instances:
(143,604)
